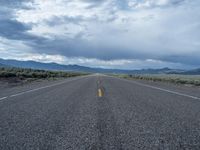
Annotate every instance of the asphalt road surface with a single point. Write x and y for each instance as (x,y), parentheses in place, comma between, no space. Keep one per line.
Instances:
(98,112)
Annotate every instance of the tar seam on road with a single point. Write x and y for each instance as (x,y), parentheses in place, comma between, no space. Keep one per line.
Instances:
(164,90)
(33,90)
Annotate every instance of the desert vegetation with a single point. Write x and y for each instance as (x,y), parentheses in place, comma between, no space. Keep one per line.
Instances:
(23,73)
(172,78)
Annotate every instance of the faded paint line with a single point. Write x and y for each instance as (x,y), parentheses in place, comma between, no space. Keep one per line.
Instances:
(162,89)
(3,98)
(40,88)
(168,91)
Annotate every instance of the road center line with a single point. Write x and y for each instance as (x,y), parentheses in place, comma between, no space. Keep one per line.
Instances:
(162,89)
(100,92)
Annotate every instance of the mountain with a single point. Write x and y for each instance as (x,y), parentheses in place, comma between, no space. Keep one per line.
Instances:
(77,68)
(2,65)
(191,72)
(74,68)
(58,67)
(43,66)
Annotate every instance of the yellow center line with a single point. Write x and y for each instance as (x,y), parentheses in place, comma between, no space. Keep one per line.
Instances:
(100,92)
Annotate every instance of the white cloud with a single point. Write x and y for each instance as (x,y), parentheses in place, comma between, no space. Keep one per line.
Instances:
(92,62)
(140,31)
(12,47)
(151,3)
(64,30)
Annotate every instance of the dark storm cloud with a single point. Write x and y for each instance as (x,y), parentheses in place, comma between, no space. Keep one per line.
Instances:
(176,2)
(192,60)
(70,48)
(13,29)
(12,5)
(144,44)
(10,28)
(5,13)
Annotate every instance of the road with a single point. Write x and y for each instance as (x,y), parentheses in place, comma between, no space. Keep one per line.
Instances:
(99,112)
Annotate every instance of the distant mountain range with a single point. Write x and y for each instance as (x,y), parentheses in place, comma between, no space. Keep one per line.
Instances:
(192,72)
(2,65)
(77,68)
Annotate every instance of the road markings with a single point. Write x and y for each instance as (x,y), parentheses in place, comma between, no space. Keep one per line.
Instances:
(164,90)
(100,92)
(168,91)
(3,98)
(40,88)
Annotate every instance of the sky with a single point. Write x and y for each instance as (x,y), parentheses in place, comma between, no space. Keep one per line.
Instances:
(123,34)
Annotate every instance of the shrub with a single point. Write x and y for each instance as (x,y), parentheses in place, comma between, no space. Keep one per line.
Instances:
(31,73)
(178,79)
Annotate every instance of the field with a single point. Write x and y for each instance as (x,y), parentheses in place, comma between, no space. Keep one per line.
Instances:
(172,78)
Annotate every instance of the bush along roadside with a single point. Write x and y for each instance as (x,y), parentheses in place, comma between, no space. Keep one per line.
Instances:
(177,79)
(33,73)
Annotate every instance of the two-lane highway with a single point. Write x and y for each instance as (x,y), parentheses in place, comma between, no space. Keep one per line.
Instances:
(99,112)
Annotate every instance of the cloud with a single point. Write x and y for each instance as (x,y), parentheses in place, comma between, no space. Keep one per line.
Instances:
(12,29)
(106,31)
(93,62)
(9,4)
(153,3)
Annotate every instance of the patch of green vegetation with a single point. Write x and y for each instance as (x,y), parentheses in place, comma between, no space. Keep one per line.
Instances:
(178,79)
(23,73)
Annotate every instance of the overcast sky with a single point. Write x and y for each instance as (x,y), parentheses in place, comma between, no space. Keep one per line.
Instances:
(126,34)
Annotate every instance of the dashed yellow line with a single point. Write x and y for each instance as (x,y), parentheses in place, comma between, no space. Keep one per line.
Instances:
(100,93)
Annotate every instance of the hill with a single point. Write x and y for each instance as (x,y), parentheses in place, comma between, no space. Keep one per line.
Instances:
(191,72)
(77,68)
(58,67)
(2,65)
